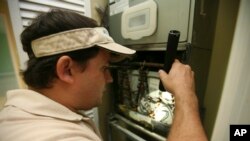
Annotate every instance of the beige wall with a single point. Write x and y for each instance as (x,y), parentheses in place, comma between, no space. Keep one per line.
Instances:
(97,4)
(16,78)
(4,11)
(224,31)
(234,103)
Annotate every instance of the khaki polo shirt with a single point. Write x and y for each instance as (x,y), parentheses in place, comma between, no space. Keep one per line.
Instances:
(30,116)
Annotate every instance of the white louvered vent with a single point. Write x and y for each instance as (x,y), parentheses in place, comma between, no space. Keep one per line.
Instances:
(24,11)
(29,9)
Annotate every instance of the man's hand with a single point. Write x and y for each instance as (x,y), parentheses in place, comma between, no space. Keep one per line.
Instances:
(186,124)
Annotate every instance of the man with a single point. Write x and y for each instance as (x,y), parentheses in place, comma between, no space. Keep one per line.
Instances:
(67,71)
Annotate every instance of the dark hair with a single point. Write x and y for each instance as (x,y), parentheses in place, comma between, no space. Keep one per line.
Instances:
(41,72)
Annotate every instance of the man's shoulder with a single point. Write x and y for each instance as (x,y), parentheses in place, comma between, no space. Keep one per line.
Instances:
(16,123)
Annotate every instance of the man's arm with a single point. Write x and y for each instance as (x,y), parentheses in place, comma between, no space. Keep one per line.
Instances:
(186,123)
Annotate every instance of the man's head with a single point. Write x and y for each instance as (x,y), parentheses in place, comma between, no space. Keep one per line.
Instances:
(41,71)
(66,63)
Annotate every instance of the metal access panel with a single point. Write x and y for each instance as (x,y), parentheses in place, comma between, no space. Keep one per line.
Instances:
(171,15)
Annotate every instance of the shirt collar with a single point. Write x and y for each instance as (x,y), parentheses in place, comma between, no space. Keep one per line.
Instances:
(38,104)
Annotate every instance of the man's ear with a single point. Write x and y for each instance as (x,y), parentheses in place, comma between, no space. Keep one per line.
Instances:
(64,69)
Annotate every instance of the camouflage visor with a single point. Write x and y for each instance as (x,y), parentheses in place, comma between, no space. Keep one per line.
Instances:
(77,39)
